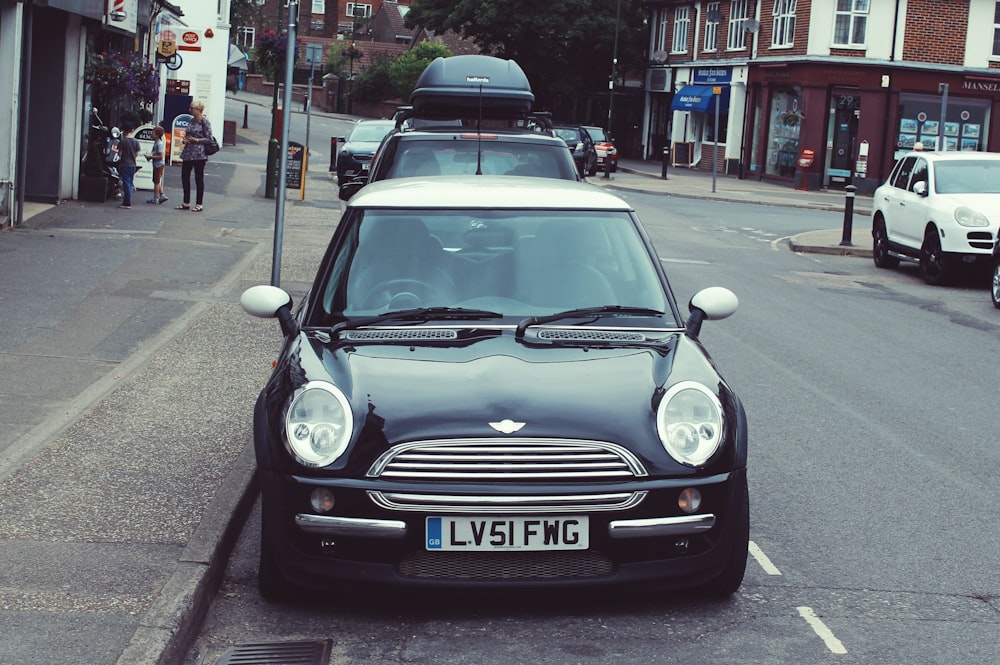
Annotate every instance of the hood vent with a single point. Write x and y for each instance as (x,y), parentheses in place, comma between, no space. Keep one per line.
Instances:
(400,335)
(585,335)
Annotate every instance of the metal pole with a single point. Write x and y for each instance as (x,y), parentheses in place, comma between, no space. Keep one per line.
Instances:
(611,79)
(279,206)
(943,89)
(309,100)
(715,150)
(848,215)
(270,175)
(246,113)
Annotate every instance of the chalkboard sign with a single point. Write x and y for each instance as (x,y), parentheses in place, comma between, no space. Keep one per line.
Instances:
(295,169)
(229,132)
(681,153)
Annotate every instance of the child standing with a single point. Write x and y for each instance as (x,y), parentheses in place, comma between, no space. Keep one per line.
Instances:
(128,150)
(157,157)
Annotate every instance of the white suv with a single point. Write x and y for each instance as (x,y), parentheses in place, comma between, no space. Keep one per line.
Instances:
(941,209)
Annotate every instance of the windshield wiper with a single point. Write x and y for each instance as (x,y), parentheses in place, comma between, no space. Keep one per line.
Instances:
(416,314)
(584,313)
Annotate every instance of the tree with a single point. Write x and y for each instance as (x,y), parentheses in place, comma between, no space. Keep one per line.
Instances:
(374,84)
(407,68)
(564,46)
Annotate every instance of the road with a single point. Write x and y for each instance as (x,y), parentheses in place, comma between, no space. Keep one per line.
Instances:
(873,468)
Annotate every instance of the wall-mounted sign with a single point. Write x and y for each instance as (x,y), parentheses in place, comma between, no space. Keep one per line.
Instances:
(178,87)
(190,41)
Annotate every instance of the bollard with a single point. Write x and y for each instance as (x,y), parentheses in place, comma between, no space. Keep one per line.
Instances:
(246,110)
(848,214)
(607,164)
(666,160)
(333,154)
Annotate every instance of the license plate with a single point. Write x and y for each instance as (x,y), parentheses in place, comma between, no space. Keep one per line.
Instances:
(508,533)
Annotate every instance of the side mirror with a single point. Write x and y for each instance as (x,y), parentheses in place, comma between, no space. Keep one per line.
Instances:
(920,188)
(349,189)
(713,304)
(268,302)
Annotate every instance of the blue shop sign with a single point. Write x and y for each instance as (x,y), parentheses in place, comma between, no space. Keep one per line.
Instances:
(712,75)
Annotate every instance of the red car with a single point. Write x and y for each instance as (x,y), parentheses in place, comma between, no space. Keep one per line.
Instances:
(605,148)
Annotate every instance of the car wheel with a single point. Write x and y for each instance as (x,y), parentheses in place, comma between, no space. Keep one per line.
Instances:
(934,264)
(880,247)
(995,286)
(729,581)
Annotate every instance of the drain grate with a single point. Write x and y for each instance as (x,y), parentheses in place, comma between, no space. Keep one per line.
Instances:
(279,653)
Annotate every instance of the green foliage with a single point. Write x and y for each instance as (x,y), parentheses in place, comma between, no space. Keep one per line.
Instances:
(564,46)
(407,68)
(374,84)
(337,63)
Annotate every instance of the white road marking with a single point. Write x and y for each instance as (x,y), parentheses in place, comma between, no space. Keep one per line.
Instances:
(762,560)
(825,634)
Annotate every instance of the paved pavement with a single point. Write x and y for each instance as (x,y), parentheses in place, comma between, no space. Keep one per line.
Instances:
(123,478)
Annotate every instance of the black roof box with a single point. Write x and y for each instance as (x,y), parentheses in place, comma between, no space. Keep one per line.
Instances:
(453,86)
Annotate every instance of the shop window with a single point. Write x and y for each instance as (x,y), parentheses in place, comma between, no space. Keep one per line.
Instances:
(709,135)
(965,123)
(660,38)
(784,124)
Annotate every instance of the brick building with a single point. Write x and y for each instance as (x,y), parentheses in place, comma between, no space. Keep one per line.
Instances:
(857,82)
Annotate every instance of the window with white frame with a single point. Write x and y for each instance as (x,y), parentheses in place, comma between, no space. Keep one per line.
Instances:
(682,25)
(737,25)
(996,30)
(363,11)
(850,23)
(784,23)
(662,25)
(319,6)
(246,36)
(712,18)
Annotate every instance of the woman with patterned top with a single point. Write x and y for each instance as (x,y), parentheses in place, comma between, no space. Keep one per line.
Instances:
(193,157)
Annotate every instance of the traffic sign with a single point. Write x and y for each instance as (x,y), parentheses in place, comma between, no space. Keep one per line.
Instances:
(166,47)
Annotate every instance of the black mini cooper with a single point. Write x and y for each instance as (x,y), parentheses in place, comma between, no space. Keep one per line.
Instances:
(490,384)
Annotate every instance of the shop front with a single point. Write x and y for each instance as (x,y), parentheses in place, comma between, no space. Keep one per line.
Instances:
(854,121)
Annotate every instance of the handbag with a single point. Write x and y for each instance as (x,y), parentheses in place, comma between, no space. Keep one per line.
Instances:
(211,145)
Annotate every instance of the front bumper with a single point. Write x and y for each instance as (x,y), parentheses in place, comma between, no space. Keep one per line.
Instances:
(367,546)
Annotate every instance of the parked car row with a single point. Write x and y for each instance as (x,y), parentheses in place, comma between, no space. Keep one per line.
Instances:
(490,384)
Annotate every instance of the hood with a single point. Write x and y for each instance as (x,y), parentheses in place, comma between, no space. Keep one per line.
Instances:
(403,393)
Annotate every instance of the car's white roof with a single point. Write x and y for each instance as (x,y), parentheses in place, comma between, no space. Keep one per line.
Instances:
(471,191)
(950,155)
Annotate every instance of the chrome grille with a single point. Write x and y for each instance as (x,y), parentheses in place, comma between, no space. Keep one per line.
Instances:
(506,565)
(508,460)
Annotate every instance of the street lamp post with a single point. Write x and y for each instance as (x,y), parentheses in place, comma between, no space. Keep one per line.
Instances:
(611,90)
(352,55)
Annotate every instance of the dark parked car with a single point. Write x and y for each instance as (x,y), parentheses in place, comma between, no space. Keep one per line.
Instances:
(581,146)
(455,127)
(491,385)
(355,155)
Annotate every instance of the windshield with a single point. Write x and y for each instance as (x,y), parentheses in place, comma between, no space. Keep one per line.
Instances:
(370,132)
(492,157)
(514,263)
(972,176)
(597,134)
(570,136)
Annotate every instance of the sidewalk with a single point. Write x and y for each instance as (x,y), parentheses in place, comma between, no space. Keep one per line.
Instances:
(124,479)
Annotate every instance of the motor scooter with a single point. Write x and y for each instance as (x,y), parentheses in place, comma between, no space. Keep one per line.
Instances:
(101,156)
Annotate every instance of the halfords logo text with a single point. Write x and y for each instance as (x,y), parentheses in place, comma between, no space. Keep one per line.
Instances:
(477,79)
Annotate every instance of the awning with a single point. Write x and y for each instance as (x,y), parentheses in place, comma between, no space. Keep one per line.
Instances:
(700,98)
(237,58)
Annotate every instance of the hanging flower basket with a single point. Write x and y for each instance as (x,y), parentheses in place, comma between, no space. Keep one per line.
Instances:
(791,118)
(270,53)
(122,79)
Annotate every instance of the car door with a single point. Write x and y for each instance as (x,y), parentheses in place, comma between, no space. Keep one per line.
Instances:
(913,213)
(892,195)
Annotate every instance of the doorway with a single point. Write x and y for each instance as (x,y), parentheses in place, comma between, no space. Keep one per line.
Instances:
(842,137)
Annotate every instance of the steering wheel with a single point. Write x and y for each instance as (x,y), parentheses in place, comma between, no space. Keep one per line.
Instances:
(399,294)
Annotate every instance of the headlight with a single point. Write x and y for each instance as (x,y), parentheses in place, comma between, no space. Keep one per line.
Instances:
(969,217)
(318,424)
(689,422)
